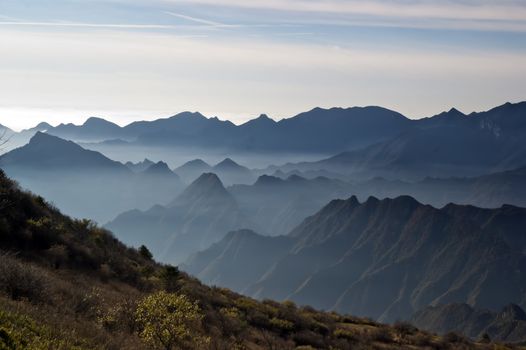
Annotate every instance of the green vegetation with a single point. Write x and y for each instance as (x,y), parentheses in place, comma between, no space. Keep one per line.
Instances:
(169,321)
(68,284)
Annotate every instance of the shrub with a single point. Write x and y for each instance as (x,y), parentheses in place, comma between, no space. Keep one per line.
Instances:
(404,329)
(120,317)
(381,334)
(283,326)
(344,334)
(20,280)
(170,320)
(453,337)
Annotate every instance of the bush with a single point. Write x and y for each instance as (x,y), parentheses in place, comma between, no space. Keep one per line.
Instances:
(169,320)
(282,326)
(344,334)
(20,280)
(381,334)
(453,337)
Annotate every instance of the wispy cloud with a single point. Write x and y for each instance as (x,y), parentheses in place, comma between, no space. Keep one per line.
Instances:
(475,10)
(476,14)
(88,25)
(196,20)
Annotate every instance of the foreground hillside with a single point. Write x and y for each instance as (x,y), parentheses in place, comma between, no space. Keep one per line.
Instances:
(67,284)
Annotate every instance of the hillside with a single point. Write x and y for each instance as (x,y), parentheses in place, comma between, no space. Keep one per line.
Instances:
(67,284)
(383,259)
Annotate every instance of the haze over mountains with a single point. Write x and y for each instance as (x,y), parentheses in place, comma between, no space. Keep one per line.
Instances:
(382,258)
(367,228)
(85,183)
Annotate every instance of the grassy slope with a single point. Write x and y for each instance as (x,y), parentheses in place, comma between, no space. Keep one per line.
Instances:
(67,284)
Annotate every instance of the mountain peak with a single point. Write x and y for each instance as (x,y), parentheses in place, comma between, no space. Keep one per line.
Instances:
(455,111)
(96,121)
(42,138)
(189,115)
(159,168)
(42,126)
(195,163)
(227,164)
(265,180)
(208,185)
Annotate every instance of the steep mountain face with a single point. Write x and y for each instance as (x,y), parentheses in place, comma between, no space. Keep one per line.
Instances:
(85,183)
(198,217)
(231,255)
(507,325)
(385,259)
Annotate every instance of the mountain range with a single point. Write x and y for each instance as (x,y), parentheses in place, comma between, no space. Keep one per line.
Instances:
(383,259)
(449,144)
(198,217)
(206,211)
(85,183)
(319,130)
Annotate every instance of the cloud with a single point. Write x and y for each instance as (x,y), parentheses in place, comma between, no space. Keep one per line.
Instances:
(474,10)
(444,14)
(195,19)
(88,25)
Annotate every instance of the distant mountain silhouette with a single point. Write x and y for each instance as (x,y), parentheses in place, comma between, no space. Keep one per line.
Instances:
(507,325)
(368,141)
(449,144)
(160,169)
(94,129)
(319,130)
(489,191)
(385,258)
(85,183)
(191,170)
(277,205)
(139,166)
(47,152)
(201,215)
(271,206)
(232,173)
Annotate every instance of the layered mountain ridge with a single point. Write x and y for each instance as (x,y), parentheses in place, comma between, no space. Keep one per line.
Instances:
(385,258)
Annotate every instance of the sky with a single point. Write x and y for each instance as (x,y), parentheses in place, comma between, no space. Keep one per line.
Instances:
(63,61)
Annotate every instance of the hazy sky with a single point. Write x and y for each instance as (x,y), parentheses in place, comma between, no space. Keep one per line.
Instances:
(66,60)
